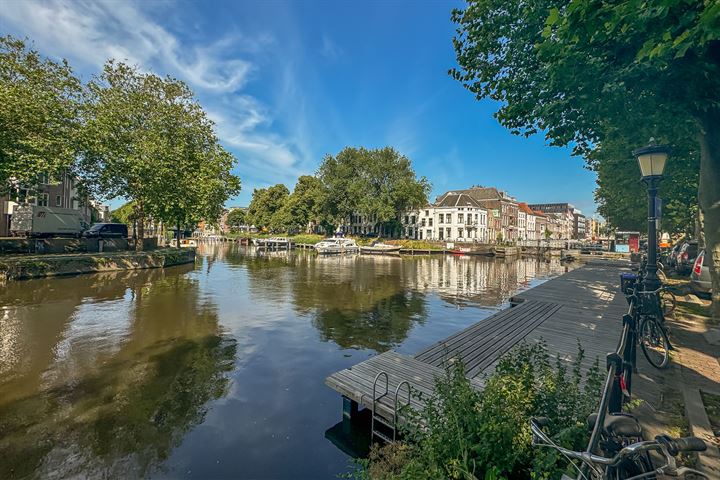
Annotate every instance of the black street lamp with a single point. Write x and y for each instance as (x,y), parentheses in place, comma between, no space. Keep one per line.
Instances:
(652,163)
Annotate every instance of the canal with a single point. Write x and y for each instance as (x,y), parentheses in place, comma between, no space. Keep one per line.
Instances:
(216,370)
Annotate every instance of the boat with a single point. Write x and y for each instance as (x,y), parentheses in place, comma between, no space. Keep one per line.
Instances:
(336,245)
(273,242)
(184,243)
(381,249)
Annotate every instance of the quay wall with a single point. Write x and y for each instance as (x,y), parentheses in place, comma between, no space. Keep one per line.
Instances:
(24,266)
(38,246)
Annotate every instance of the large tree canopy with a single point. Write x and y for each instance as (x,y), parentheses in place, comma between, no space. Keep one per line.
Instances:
(265,203)
(39,115)
(379,183)
(303,209)
(148,140)
(589,72)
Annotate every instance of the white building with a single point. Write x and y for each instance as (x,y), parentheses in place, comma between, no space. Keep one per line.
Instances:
(454,217)
(527,223)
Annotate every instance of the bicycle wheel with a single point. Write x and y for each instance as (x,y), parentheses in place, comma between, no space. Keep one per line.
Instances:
(661,275)
(654,342)
(668,301)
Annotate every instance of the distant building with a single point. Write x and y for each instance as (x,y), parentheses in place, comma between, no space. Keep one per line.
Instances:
(454,217)
(502,211)
(527,223)
(579,225)
(63,193)
(561,219)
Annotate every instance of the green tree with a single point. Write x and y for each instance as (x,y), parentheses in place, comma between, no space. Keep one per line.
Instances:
(39,114)
(123,214)
(586,70)
(148,140)
(304,207)
(622,199)
(236,218)
(265,203)
(379,183)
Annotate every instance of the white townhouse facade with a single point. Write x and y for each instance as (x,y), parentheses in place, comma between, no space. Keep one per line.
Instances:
(454,217)
(527,224)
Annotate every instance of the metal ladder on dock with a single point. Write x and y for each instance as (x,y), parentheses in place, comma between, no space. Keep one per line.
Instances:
(392,426)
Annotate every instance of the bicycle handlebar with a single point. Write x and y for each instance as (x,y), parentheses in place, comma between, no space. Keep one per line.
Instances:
(673,446)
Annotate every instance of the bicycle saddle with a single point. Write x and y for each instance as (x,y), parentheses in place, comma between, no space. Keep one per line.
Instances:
(620,425)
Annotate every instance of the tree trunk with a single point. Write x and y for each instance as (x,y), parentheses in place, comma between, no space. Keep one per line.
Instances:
(140,219)
(178,234)
(709,195)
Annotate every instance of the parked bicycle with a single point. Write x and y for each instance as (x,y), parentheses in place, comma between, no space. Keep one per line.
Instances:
(626,456)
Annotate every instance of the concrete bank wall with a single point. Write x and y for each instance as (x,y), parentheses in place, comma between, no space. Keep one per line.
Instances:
(36,266)
(20,246)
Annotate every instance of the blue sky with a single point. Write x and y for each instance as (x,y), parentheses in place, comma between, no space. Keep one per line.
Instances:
(288,82)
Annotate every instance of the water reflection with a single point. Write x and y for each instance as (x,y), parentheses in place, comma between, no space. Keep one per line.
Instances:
(99,380)
(216,368)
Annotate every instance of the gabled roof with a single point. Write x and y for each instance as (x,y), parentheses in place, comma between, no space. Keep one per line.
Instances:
(482,193)
(539,213)
(525,208)
(456,199)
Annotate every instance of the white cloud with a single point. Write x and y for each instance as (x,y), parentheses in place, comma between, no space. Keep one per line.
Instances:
(90,32)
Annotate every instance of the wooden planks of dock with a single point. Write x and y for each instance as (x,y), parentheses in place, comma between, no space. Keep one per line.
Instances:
(583,306)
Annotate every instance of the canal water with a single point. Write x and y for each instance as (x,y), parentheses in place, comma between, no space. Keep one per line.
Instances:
(216,370)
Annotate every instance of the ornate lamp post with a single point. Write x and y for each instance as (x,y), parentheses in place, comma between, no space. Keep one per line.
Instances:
(652,163)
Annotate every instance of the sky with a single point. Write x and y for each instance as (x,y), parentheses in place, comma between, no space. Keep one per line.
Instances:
(290,82)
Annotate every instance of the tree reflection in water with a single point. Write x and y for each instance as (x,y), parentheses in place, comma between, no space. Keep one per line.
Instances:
(117,409)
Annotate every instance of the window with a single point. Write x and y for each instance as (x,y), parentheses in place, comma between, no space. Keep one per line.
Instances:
(422,222)
(58,201)
(406,219)
(412,219)
(43,200)
(430,222)
(448,218)
(427,213)
(441,218)
(460,232)
(461,217)
(43,179)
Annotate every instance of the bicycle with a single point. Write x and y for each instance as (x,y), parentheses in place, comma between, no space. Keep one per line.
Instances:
(627,461)
(648,321)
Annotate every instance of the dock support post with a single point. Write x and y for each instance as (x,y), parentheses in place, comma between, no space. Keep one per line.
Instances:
(350,408)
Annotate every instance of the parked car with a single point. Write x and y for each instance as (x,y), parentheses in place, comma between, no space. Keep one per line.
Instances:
(107,230)
(37,221)
(700,275)
(686,257)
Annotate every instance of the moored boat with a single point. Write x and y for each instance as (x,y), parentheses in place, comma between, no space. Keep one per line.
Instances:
(336,245)
(381,249)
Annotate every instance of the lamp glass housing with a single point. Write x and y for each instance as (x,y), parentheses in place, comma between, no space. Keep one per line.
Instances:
(652,164)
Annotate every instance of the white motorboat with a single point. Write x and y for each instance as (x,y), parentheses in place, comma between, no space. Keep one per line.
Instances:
(273,242)
(184,243)
(336,245)
(381,249)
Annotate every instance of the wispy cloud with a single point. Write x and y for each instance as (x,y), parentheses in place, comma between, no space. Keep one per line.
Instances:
(330,49)
(90,32)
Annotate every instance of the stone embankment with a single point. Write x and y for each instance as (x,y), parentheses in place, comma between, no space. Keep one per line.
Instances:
(22,267)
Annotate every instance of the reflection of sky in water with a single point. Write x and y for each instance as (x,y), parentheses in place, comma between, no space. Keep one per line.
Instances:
(217,370)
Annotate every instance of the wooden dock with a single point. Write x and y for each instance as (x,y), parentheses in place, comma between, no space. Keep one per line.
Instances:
(582,306)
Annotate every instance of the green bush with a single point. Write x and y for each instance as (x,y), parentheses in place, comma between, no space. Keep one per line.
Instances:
(468,434)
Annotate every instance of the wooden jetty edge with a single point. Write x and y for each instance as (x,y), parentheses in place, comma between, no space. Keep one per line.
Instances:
(584,306)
